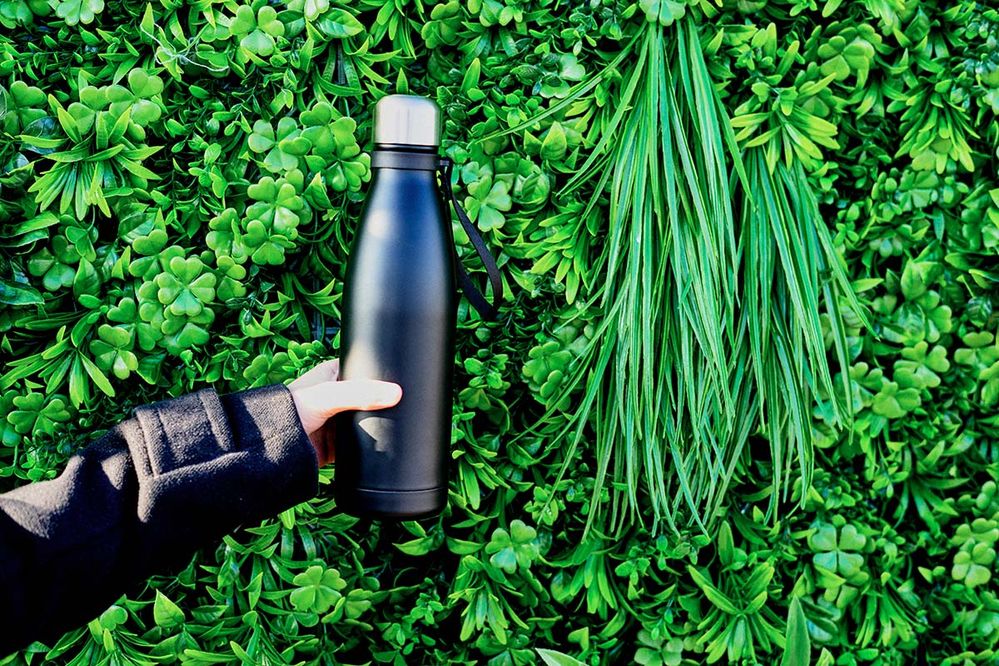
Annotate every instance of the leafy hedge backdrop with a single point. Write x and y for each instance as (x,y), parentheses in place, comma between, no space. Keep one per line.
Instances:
(740,404)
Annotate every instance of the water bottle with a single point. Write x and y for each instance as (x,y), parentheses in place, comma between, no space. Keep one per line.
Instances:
(398,322)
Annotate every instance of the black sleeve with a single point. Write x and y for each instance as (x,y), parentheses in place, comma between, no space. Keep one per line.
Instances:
(175,477)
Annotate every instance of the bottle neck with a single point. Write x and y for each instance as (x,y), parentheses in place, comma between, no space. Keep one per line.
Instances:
(407,148)
(410,158)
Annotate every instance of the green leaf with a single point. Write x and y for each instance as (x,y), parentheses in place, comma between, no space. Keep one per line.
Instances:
(13,293)
(244,21)
(796,638)
(555,658)
(98,377)
(554,145)
(339,24)
(258,42)
(166,613)
(417,547)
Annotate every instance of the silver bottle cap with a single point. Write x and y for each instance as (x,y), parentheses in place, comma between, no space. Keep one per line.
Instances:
(407,119)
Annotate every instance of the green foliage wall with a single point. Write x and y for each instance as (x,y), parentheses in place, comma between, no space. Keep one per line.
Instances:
(178,189)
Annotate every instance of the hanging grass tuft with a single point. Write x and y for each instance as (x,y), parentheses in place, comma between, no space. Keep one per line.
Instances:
(711,326)
(790,274)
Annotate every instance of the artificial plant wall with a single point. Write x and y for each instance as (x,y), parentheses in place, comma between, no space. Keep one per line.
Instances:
(769,433)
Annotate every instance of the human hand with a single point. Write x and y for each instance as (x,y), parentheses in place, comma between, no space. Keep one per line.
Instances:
(318,395)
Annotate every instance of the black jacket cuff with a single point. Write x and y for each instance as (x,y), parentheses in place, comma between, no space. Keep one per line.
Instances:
(207,464)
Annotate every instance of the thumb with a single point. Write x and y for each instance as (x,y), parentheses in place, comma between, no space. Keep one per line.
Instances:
(319,402)
(359,394)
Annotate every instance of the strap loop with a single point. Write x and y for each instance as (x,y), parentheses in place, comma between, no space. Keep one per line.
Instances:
(399,159)
(487,309)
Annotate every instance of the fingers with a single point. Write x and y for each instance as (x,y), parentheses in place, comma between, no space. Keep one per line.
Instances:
(318,395)
(356,394)
(319,402)
(324,372)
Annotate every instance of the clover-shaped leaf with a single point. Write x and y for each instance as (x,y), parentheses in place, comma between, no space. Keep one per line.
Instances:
(25,96)
(174,300)
(78,11)
(318,589)
(179,334)
(24,103)
(112,618)
(974,567)
(894,402)
(140,100)
(185,287)
(125,315)
(282,147)
(982,356)
(125,312)
(144,228)
(269,369)
(357,603)
(840,551)
(335,150)
(270,225)
(37,413)
(919,368)
(851,51)
(444,25)
(547,367)
(113,351)
(975,560)
(487,201)
(138,97)
(262,138)
(666,12)
(224,236)
(9,436)
(143,85)
(231,275)
(658,651)
(258,31)
(58,267)
(54,273)
(517,547)
(312,9)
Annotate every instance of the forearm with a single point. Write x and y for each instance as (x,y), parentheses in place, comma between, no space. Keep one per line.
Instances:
(64,543)
(144,497)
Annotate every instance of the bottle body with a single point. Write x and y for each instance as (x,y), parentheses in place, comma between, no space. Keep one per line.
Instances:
(398,324)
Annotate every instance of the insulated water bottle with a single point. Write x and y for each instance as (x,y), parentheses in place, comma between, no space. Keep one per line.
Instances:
(398,321)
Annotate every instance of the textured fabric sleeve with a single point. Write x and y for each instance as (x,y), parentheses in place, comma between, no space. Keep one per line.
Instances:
(144,497)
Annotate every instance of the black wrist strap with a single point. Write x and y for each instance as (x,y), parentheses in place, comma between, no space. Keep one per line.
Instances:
(397,159)
(488,309)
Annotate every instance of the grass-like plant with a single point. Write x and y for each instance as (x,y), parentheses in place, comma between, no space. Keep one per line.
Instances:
(790,272)
(711,326)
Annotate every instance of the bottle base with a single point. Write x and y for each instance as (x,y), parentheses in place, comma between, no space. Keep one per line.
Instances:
(398,504)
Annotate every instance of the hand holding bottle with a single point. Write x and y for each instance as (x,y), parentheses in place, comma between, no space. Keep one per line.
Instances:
(318,395)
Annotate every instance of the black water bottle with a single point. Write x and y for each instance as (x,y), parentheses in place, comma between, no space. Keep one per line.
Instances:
(398,323)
